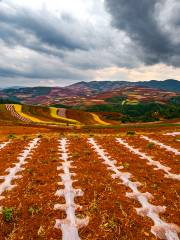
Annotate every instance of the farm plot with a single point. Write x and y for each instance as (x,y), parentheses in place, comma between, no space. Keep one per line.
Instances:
(161,145)
(104,200)
(9,154)
(77,187)
(143,191)
(169,143)
(154,153)
(33,199)
(4,144)
(12,173)
(15,111)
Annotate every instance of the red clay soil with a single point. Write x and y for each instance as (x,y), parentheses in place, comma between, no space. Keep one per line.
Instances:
(22,130)
(9,154)
(165,191)
(172,141)
(112,215)
(34,197)
(81,116)
(167,158)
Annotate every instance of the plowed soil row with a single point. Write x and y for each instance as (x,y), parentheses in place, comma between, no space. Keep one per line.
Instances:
(8,155)
(33,199)
(165,191)
(167,158)
(111,214)
(167,140)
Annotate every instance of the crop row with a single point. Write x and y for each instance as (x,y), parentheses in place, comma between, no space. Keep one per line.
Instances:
(51,115)
(65,186)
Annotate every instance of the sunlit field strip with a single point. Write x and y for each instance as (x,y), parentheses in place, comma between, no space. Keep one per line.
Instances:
(54,114)
(98,120)
(18,109)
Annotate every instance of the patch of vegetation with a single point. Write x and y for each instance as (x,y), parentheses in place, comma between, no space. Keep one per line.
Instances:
(12,136)
(34,210)
(10,100)
(110,224)
(59,106)
(116,99)
(30,170)
(140,112)
(75,154)
(130,133)
(150,145)
(7,214)
(125,165)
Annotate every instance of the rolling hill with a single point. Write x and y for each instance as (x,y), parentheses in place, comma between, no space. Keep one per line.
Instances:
(90,93)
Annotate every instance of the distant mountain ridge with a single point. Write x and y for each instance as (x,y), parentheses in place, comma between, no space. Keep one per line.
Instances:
(168,85)
(90,92)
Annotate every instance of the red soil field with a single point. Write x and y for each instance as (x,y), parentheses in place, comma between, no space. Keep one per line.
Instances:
(103,207)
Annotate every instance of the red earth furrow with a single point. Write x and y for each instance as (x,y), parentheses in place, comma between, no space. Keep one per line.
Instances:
(4,144)
(34,197)
(167,158)
(71,224)
(168,140)
(111,214)
(8,155)
(153,181)
(161,145)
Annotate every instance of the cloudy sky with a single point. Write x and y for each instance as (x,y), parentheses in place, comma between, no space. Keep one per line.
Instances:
(57,42)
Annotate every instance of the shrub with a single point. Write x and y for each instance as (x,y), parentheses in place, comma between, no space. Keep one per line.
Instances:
(11,136)
(150,145)
(7,214)
(130,133)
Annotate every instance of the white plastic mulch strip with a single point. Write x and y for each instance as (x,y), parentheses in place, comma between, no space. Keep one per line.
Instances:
(172,134)
(12,172)
(2,145)
(71,224)
(10,108)
(160,229)
(168,148)
(158,165)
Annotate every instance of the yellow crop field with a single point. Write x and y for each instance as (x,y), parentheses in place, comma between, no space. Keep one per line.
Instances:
(18,109)
(98,120)
(53,112)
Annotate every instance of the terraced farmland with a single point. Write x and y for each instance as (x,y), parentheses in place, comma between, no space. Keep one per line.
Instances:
(48,116)
(90,187)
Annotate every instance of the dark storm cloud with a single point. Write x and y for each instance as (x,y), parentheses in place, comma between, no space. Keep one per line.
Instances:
(141,20)
(56,32)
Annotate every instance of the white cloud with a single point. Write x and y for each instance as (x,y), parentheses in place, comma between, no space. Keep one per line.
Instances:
(57,42)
